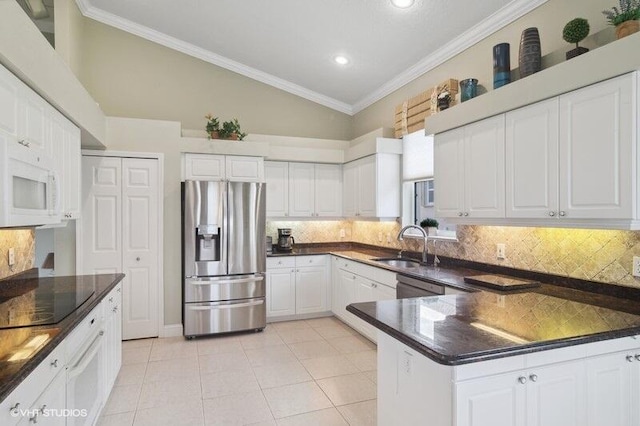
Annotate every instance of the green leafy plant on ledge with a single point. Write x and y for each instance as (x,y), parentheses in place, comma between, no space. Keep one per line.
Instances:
(429,223)
(629,11)
(229,130)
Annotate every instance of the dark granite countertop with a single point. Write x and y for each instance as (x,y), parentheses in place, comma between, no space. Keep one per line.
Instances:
(12,373)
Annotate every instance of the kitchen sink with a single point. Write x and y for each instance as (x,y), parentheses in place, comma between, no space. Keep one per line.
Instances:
(398,262)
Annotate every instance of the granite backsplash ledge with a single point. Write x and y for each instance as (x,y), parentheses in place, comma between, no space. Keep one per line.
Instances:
(604,256)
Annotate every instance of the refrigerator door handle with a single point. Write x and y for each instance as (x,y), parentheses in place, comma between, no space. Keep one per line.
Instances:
(210,282)
(228,306)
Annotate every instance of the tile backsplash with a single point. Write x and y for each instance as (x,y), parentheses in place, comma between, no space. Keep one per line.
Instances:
(23,242)
(597,255)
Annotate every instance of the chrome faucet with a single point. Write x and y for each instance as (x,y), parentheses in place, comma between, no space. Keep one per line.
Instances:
(424,239)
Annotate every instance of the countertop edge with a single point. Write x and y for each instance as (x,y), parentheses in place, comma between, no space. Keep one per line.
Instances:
(10,385)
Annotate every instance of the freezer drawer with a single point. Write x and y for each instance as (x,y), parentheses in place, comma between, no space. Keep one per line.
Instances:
(206,289)
(224,317)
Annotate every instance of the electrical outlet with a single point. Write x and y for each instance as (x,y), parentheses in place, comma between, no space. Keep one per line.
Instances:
(388,237)
(636,266)
(501,251)
(12,256)
(379,237)
(342,234)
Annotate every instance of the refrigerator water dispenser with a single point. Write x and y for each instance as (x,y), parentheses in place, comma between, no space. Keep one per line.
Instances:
(207,243)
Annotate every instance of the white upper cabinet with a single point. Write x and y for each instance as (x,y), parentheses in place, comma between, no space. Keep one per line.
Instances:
(9,101)
(276,175)
(65,149)
(598,138)
(372,187)
(532,161)
(568,161)
(303,189)
(469,170)
(233,168)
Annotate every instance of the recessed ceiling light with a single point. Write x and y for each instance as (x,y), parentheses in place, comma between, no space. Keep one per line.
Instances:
(402,4)
(341,60)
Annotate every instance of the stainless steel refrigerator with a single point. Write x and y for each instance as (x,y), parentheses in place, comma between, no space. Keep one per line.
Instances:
(224,258)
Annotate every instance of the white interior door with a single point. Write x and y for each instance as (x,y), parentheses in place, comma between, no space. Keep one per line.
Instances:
(140,260)
(101,245)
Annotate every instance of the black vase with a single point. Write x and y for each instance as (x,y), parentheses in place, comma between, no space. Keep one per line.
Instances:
(530,59)
(501,65)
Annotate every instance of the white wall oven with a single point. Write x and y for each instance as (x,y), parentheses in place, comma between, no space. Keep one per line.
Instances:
(29,186)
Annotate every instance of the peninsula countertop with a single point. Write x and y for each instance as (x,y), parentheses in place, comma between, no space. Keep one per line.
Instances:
(12,373)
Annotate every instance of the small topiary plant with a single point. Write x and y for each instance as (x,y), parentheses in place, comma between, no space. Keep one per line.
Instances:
(575,31)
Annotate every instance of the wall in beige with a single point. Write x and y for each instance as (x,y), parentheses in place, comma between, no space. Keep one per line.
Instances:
(477,61)
(132,77)
(69,24)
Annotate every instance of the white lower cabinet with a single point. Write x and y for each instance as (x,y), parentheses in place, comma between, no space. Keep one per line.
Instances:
(357,282)
(297,285)
(49,408)
(548,388)
(113,338)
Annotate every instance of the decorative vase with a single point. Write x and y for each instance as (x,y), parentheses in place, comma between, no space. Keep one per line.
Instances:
(627,28)
(501,65)
(530,57)
(432,231)
(576,52)
(468,89)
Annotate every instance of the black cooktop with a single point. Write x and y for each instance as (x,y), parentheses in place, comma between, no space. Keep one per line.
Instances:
(31,301)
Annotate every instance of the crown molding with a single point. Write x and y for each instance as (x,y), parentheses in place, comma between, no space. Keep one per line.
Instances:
(115,21)
(480,31)
(473,35)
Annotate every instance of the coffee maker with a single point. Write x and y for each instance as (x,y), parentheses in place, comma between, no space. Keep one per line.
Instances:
(285,240)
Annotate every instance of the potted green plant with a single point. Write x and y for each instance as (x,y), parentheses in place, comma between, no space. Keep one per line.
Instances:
(626,18)
(212,127)
(231,130)
(430,226)
(574,32)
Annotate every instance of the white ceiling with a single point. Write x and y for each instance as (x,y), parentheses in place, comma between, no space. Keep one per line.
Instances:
(291,44)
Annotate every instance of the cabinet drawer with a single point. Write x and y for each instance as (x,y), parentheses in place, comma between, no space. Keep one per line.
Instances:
(32,387)
(281,262)
(78,337)
(355,267)
(311,261)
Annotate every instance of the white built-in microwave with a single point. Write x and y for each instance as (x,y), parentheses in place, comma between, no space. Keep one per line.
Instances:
(29,186)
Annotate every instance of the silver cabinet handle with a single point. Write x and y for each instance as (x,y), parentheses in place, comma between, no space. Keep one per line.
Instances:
(310,260)
(24,143)
(286,214)
(522,380)
(238,281)
(119,289)
(15,407)
(44,407)
(466,213)
(34,419)
(137,259)
(533,377)
(293,270)
(629,358)
(111,299)
(54,363)
(562,214)
(552,214)
(231,306)
(115,309)
(280,262)
(101,333)
(460,214)
(637,357)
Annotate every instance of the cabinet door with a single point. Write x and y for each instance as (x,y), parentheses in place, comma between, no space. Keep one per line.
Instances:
(140,260)
(328,190)
(383,292)
(301,190)
(491,401)
(311,289)
(448,169)
(597,150)
(532,161)
(244,169)
(51,402)
(609,386)
(364,290)
(34,121)
(281,292)
(9,104)
(367,187)
(350,189)
(277,177)
(204,167)
(346,292)
(71,172)
(556,395)
(484,169)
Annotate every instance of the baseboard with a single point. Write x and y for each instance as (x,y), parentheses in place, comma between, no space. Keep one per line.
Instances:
(171,330)
(299,317)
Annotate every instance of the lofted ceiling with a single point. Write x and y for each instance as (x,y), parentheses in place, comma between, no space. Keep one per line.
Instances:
(291,44)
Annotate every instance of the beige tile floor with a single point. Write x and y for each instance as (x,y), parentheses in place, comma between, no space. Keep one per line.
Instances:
(312,372)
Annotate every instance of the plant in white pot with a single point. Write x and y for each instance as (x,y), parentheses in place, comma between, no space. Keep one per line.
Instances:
(430,226)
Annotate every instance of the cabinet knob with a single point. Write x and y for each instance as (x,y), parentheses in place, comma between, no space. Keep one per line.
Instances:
(44,407)
(119,289)
(460,214)
(562,214)
(629,358)
(280,262)
(137,259)
(115,309)
(310,260)
(533,377)
(15,408)
(637,357)
(54,363)
(466,213)
(522,380)
(286,214)
(293,270)
(34,419)
(552,214)
(111,299)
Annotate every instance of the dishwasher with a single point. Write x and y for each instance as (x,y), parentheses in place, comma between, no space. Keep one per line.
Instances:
(410,287)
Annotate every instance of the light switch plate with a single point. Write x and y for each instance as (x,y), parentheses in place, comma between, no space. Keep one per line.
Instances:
(12,256)
(501,251)
(636,266)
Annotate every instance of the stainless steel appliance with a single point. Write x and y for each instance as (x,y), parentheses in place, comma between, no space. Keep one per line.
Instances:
(285,240)
(224,260)
(410,287)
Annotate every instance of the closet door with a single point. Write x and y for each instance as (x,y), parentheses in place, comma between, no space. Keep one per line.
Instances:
(100,250)
(140,260)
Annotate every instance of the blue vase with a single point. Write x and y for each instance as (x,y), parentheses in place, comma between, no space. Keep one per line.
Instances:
(501,65)
(468,89)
